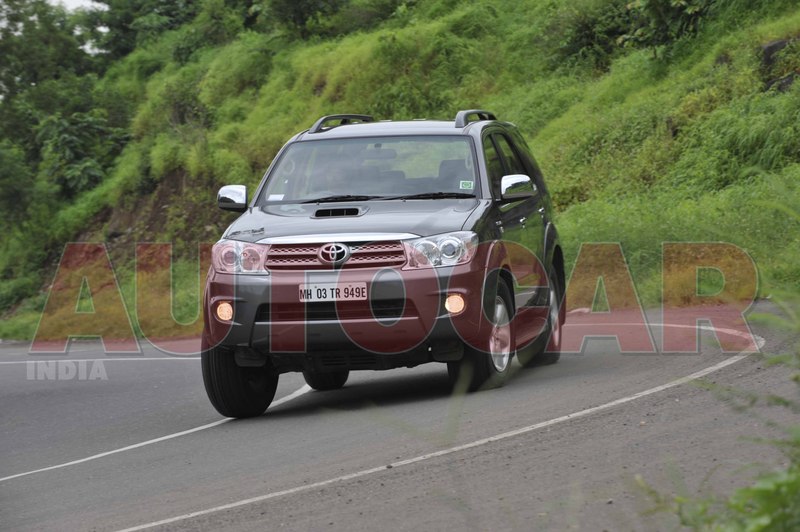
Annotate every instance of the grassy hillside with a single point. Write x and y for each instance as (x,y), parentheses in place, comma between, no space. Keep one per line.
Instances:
(648,129)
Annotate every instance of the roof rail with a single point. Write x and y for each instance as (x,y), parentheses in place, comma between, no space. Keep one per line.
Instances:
(320,124)
(462,117)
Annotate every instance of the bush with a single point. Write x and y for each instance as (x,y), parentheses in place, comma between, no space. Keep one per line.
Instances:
(245,63)
(588,31)
(173,100)
(660,22)
(298,15)
(350,16)
(166,156)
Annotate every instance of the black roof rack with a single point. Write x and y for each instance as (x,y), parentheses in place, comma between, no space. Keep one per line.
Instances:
(320,124)
(462,117)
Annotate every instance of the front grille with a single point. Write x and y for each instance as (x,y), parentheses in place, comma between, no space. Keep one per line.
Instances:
(292,257)
(345,310)
(363,255)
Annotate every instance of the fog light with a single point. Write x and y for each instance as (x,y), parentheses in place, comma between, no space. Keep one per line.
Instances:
(455,304)
(225,311)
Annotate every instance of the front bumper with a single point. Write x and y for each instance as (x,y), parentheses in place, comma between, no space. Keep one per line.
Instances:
(403,322)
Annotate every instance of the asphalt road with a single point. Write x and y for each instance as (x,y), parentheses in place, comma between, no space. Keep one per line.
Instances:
(392,450)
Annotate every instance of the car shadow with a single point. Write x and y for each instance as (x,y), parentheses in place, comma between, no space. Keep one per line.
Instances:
(388,389)
(384,391)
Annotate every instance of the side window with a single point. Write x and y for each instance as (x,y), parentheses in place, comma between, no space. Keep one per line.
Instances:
(494,165)
(515,166)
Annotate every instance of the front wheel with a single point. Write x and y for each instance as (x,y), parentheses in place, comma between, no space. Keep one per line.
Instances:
(480,369)
(323,382)
(237,391)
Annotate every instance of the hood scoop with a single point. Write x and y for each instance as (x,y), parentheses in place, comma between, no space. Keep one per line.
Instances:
(338,212)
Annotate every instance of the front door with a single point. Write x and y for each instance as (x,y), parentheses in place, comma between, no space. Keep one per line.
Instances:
(522,229)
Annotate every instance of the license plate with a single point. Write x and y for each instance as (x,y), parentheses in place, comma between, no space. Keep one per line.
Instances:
(333,292)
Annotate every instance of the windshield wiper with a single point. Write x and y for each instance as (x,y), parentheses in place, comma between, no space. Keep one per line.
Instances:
(341,197)
(432,195)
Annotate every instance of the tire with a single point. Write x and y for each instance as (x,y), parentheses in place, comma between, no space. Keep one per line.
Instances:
(237,391)
(488,369)
(550,350)
(326,381)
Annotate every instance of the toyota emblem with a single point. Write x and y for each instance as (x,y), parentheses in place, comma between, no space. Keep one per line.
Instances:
(334,254)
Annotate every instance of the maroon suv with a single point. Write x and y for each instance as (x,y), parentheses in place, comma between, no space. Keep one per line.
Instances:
(376,245)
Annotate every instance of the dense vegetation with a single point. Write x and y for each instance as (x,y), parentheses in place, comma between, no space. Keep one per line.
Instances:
(653,120)
(656,120)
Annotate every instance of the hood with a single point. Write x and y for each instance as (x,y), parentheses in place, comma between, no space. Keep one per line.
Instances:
(418,217)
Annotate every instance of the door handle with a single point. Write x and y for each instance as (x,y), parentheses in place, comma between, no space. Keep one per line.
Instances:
(523,220)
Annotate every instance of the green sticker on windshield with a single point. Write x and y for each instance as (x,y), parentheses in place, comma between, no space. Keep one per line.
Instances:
(466,185)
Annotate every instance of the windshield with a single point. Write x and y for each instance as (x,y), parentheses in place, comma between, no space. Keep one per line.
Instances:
(372,168)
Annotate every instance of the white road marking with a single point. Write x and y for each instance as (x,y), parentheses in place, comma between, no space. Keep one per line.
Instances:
(444,452)
(103,359)
(295,394)
(282,400)
(760,342)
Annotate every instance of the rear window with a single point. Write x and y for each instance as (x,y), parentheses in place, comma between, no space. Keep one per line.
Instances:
(380,166)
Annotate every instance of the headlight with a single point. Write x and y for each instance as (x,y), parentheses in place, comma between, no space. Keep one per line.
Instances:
(448,249)
(232,256)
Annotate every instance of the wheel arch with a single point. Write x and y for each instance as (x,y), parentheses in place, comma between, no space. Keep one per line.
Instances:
(555,256)
(558,264)
(505,275)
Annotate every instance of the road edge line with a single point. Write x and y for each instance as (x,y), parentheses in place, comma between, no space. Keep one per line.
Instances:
(444,452)
(282,400)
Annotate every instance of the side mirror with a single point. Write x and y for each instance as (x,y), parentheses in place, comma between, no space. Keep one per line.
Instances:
(232,198)
(517,187)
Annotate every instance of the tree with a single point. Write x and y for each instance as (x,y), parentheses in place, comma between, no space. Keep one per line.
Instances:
(77,150)
(15,183)
(38,42)
(122,24)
